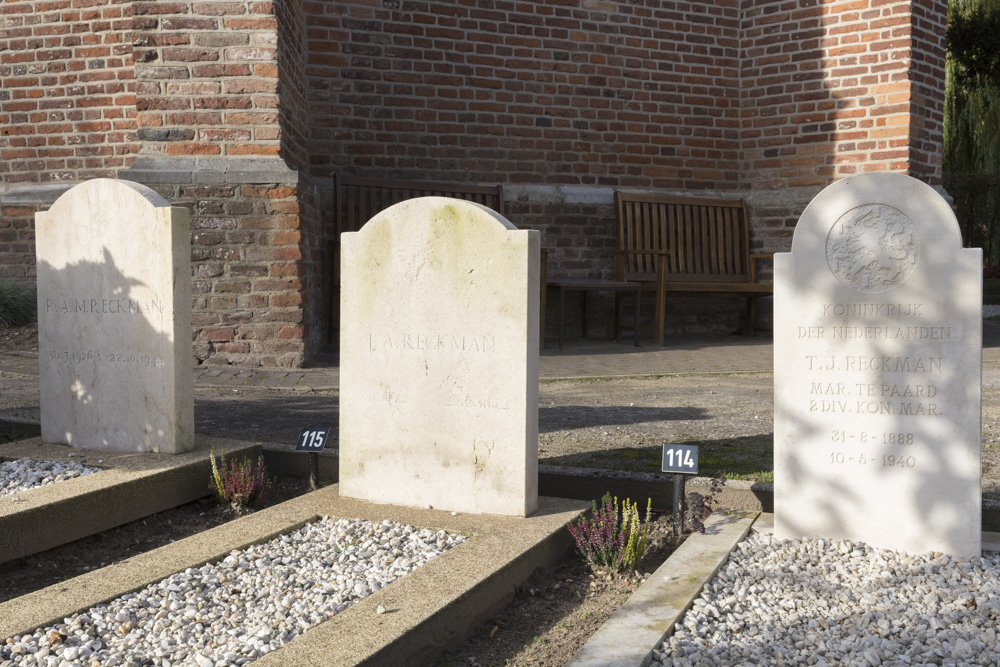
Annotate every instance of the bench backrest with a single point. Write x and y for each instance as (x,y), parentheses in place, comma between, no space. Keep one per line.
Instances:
(357,200)
(699,239)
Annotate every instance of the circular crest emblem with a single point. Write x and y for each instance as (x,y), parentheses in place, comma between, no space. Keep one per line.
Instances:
(872,248)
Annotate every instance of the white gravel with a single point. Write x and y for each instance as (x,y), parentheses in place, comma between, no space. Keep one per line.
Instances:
(232,612)
(825,602)
(23,474)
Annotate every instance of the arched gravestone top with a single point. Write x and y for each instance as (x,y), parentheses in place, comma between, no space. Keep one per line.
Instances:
(114,319)
(439,359)
(878,371)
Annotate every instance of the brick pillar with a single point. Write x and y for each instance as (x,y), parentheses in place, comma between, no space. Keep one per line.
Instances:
(217,137)
(832,89)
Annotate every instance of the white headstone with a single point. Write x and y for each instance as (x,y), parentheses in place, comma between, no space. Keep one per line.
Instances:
(878,371)
(439,359)
(114,320)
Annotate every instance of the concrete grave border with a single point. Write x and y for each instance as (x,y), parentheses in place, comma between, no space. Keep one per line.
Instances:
(427,610)
(130,486)
(628,638)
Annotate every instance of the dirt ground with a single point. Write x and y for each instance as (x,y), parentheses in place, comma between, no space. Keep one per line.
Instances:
(619,423)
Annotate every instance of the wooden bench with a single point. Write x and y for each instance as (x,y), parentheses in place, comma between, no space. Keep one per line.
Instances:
(357,200)
(686,245)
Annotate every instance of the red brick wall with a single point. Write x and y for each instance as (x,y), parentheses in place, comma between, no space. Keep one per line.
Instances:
(836,88)
(562,101)
(593,92)
(208,78)
(67,100)
(247,283)
(928,22)
(293,114)
(17,241)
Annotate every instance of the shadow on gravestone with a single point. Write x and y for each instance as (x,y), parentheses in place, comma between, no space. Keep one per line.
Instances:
(114,320)
(878,354)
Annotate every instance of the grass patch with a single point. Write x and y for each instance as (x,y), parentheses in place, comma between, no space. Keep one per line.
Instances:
(749,458)
(17,303)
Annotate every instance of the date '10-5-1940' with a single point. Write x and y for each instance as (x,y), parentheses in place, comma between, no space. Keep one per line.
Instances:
(887,461)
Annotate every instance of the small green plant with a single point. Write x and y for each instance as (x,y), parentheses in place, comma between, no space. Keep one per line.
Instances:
(17,303)
(240,483)
(606,542)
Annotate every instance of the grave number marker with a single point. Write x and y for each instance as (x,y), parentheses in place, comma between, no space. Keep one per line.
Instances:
(680,459)
(312,439)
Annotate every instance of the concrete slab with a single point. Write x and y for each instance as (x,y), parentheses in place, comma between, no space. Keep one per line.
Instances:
(130,486)
(764,523)
(628,638)
(433,607)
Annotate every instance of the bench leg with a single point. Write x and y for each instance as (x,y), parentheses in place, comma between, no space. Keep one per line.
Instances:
(748,328)
(638,303)
(660,317)
(618,315)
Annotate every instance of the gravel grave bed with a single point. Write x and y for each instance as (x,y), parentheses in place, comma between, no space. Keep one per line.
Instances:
(248,604)
(24,474)
(829,602)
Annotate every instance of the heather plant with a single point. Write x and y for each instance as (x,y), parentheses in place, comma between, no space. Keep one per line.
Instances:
(609,540)
(240,483)
(17,303)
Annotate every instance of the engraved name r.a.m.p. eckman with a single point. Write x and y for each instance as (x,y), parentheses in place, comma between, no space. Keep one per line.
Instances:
(872,248)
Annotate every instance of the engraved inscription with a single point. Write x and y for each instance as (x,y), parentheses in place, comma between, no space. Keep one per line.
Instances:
(872,248)
(877,364)
(431,341)
(877,333)
(84,356)
(104,306)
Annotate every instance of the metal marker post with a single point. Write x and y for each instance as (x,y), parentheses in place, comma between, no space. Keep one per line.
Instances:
(313,440)
(678,500)
(313,470)
(680,460)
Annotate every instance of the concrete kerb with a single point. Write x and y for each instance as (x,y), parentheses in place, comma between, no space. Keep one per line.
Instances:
(628,638)
(432,607)
(129,486)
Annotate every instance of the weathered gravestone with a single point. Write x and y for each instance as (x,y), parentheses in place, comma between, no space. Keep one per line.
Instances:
(878,371)
(439,359)
(114,320)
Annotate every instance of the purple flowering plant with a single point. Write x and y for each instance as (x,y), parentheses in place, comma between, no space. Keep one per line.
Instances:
(606,542)
(240,483)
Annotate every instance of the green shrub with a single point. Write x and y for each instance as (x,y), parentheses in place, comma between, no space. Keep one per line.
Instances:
(17,303)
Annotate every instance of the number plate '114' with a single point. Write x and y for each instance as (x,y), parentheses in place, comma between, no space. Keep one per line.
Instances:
(680,458)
